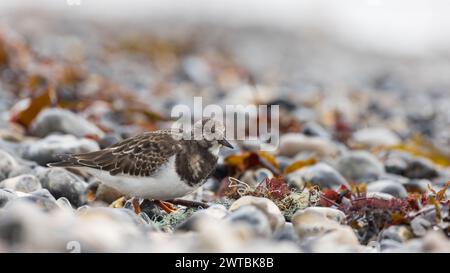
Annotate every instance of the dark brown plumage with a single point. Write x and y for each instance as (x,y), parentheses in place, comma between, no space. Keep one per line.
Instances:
(141,155)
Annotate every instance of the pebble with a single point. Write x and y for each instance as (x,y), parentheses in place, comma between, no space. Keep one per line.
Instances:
(5,196)
(314,221)
(421,168)
(292,143)
(56,120)
(45,151)
(412,167)
(62,183)
(194,222)
(270,210)
(287,233)
(312,128)
(339,239)
(360,166)
(397,233)
(7,165)
(262,174)
(389,245)
(252,217)
(64,203)
(320,174)
(396,163)
(420,225)
(393,188)
(23,183)
(417,185)
(41,199)
(372,137)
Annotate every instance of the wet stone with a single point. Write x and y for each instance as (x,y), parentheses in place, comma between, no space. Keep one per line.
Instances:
(393,188)
(45,151)
(55,120)
(270,210)
(360,166)
(320,174)
(7,165)
(23,183)
(62,183)
(253,218)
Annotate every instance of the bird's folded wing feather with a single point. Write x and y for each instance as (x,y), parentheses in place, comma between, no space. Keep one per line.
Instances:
(138,156)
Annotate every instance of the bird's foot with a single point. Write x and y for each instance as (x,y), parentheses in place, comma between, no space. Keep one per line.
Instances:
(166,206)
(118,203)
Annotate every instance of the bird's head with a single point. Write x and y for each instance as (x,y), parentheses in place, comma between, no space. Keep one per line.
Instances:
(210,133)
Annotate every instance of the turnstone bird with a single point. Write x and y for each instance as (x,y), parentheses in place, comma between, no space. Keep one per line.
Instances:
(159,165)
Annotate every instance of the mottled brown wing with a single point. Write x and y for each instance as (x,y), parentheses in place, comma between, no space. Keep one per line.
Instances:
(141,155)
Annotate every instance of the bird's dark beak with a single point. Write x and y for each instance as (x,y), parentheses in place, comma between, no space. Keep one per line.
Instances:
(225,143)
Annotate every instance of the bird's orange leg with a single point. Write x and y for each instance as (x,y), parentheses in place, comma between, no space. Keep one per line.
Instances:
(136,205)
(166,206)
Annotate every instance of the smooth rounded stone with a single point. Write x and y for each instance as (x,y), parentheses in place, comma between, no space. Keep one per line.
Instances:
(387,186)
(255,177)
(396,163)
(339,239)
(287,233)
(360,166)
(396,233)
(292,143)
(262,173)
(62,183)
(22,170)
(312,128)
(217,211)
(23,183)
(45,151)
(116,214)
(212,213)
(320,174)
(64,203)
(314,221)
(420,225)
(435,241)
(20,222)
(421,168)
(372,137)
(270,210)
(5,196)
(40,198)
(330,213)
(417,185)
(429,213)
(389,244)
(194,222)
(7,164)
(252,217)
(58,120)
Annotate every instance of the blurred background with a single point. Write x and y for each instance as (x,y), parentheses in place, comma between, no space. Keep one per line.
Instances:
(372,75)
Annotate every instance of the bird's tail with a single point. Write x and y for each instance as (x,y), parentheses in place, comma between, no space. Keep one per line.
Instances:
(66,160)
